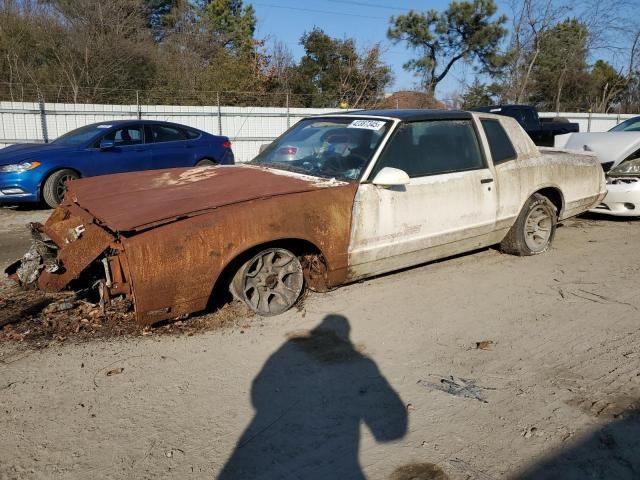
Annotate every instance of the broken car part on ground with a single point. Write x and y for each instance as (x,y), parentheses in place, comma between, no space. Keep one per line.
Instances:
(374,192)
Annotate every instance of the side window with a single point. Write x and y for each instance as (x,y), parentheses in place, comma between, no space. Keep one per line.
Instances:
(164,133)
(431,148)
(129,135)
(191,134)
(499,143)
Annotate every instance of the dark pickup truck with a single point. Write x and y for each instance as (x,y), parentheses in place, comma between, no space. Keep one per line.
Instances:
(541,130)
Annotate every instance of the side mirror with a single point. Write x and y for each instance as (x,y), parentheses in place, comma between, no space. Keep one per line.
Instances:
(391,177)
(106,144)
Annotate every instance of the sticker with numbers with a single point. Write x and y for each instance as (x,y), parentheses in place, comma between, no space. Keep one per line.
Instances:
(367,124)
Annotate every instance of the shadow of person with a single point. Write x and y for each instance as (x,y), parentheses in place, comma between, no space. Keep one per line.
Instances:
(611,452)
(310,398)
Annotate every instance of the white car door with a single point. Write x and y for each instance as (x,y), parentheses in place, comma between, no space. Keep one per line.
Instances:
(448,206)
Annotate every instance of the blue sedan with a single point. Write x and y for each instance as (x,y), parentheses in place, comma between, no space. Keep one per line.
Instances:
(35,172)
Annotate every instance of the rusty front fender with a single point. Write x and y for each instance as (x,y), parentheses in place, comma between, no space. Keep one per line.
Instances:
(173,268)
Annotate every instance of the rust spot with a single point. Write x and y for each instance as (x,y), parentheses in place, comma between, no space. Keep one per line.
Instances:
(184,229)
(315,272)
(74,255)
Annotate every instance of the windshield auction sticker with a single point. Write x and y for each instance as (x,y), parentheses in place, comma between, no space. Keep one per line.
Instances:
(103,126)
(367,124)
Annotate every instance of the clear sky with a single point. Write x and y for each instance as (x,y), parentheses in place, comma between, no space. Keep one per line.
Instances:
(367,22)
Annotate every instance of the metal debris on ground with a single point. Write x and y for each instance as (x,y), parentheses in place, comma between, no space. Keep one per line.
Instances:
(37,317)
(460,387)
(40,256)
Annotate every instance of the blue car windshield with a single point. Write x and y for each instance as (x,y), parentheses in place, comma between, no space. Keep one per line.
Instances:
(336,147)
(630,125)
(82,135)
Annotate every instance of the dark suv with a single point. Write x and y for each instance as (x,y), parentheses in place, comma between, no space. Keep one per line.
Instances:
(541,130)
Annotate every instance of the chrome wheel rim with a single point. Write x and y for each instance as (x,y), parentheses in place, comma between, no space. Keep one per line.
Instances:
(272,281)
(538,226)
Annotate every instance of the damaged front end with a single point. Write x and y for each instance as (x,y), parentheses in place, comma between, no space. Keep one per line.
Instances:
(72,251)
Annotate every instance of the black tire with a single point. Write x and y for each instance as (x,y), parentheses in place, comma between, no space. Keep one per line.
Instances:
(534,229)
(54,187)
(206,162)
(270,282)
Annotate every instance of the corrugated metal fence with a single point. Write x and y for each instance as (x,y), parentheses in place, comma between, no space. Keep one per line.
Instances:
(248,127)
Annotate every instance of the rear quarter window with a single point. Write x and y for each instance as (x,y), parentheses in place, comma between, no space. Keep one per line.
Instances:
(191,134)
(499,143)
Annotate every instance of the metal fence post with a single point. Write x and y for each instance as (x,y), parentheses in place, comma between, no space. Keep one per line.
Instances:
(219,113)
(589,122)
(138,107)
(288,112)
(43,120)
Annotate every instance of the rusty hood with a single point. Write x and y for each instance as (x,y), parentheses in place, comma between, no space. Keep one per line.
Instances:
(140,200)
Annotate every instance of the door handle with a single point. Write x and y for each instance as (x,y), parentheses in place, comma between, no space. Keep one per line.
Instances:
(486,180)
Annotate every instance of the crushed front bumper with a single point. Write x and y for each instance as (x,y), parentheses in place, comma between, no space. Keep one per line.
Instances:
(70,246)
(622,199)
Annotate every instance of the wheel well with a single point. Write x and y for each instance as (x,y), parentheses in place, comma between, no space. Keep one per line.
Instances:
(44,180)
(211,159)
(555,196)
(220,293)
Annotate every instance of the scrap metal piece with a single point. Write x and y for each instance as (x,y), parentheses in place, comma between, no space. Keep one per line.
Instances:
(75,257)
(460,387)
(75,233)
(39,257)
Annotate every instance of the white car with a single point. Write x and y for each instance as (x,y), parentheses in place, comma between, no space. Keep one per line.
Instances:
(375,191)
(619,154)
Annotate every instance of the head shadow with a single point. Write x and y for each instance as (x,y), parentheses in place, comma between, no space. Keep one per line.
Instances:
(310,399)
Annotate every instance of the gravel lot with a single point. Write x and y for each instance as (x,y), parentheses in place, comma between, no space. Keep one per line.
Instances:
(483,366)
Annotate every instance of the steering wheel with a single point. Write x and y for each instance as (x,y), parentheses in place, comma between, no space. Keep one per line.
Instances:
(337,163)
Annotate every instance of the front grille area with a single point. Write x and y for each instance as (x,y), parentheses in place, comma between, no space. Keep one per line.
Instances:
(621,180)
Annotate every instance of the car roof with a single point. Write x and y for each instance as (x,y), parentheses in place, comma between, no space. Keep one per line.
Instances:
(116,123)
(409,114)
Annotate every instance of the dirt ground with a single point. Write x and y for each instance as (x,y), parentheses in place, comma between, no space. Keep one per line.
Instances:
(483,366)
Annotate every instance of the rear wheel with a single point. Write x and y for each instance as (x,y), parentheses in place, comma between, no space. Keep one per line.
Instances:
(270,282)
(534,229)
(54,187)
(205,162)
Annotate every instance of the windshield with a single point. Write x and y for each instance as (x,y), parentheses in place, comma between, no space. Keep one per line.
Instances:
(326,147)
(81,135)
(630,125)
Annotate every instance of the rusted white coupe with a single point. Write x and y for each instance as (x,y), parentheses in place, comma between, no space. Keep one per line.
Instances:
(336,198)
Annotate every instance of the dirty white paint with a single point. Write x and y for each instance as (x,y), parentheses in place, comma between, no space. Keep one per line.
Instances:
(316,181)
(441,215)
(428,212)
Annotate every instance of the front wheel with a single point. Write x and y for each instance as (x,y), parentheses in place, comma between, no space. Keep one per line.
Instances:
(270,282)
(55,186)
(534,229)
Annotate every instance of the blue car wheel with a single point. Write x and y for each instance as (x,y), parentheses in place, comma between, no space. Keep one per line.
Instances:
(54,187)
